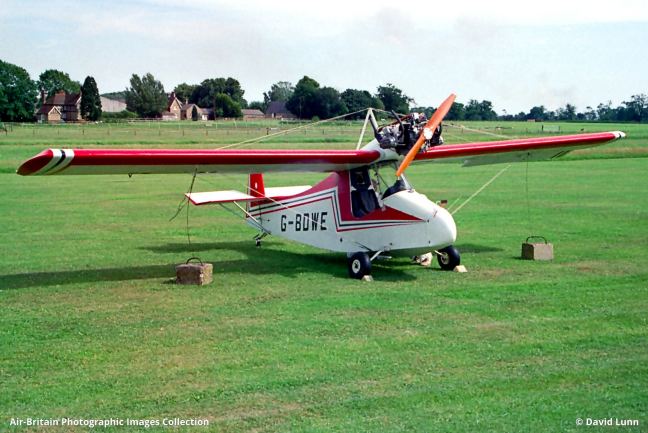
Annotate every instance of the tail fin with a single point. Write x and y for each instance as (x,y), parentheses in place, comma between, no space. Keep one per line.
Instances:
(255,188)
(255,185)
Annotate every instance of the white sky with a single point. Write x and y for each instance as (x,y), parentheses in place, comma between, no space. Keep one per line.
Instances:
(515,54)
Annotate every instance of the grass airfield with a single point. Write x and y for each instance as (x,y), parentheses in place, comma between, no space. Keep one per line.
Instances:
(92,326)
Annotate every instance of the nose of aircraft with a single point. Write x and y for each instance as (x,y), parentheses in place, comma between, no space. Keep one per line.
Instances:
(442,229)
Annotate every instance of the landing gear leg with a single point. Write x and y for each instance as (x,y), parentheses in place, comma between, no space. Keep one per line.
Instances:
(257,238)
(359,265)
(448,258)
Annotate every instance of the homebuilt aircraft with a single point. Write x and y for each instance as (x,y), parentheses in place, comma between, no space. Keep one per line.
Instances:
(354,210)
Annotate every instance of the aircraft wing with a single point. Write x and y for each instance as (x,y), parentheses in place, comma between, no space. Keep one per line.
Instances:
(166,161)
(518,150)
(143,161)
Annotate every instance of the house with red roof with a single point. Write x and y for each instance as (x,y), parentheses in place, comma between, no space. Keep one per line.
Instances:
(176,110)
(60,107)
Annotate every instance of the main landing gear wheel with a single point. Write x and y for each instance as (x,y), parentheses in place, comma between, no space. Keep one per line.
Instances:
(359,265)
(448,258)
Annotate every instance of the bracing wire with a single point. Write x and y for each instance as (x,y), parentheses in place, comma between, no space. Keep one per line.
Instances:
(185,202)
(483,187)
(526,188)
(481,131)
(288,131)
(278,203)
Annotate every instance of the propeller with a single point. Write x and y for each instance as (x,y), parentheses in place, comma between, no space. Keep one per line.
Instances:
(428,130)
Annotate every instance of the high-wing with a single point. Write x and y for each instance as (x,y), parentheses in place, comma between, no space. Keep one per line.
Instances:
(142,161)
(527,149)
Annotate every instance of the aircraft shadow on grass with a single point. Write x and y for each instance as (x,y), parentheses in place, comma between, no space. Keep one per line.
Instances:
(269,259)
(477,249)
(272,259)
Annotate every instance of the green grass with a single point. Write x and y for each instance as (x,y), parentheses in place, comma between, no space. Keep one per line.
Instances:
(92,327)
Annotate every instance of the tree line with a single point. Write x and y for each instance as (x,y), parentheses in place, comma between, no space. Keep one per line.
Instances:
(19,94)
(146,97)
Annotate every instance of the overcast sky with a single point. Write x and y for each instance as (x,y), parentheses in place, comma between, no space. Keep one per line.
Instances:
(513,53)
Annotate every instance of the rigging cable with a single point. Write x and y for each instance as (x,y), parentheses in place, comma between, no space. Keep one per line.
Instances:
(185,202)
(481,189)
(287,131)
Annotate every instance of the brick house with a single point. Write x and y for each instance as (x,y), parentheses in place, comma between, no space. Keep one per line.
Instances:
(174,107)
(176,110)
(60,107)
(278,110)
(252,114)
(187,110)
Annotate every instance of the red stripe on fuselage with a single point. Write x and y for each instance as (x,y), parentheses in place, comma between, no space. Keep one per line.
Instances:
(384,222)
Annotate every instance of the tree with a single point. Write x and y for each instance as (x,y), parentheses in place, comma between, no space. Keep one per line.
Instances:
(304,100)
(309,100)
(428,111)
(225,106)
(205,92)
(90,100)
(486,110)
(279,91)
(146,96)
(18,94)
(393,98)
(235,91)
(605,112)
(52,81)
(476,110)
(473,110)
(568,112)
(356,100)
(537,113)
(457,112)
(637,108)
(329,103)
(184,91)
(258,105)
(590,114)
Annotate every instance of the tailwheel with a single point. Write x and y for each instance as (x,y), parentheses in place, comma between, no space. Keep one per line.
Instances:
(359,265)
(448,258)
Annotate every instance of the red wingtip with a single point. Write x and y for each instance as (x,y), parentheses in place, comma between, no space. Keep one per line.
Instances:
(36,163)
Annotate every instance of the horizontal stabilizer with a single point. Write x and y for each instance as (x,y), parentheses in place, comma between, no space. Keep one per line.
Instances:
(213,197)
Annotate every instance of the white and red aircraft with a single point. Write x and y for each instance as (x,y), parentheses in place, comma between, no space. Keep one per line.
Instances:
(353,210)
